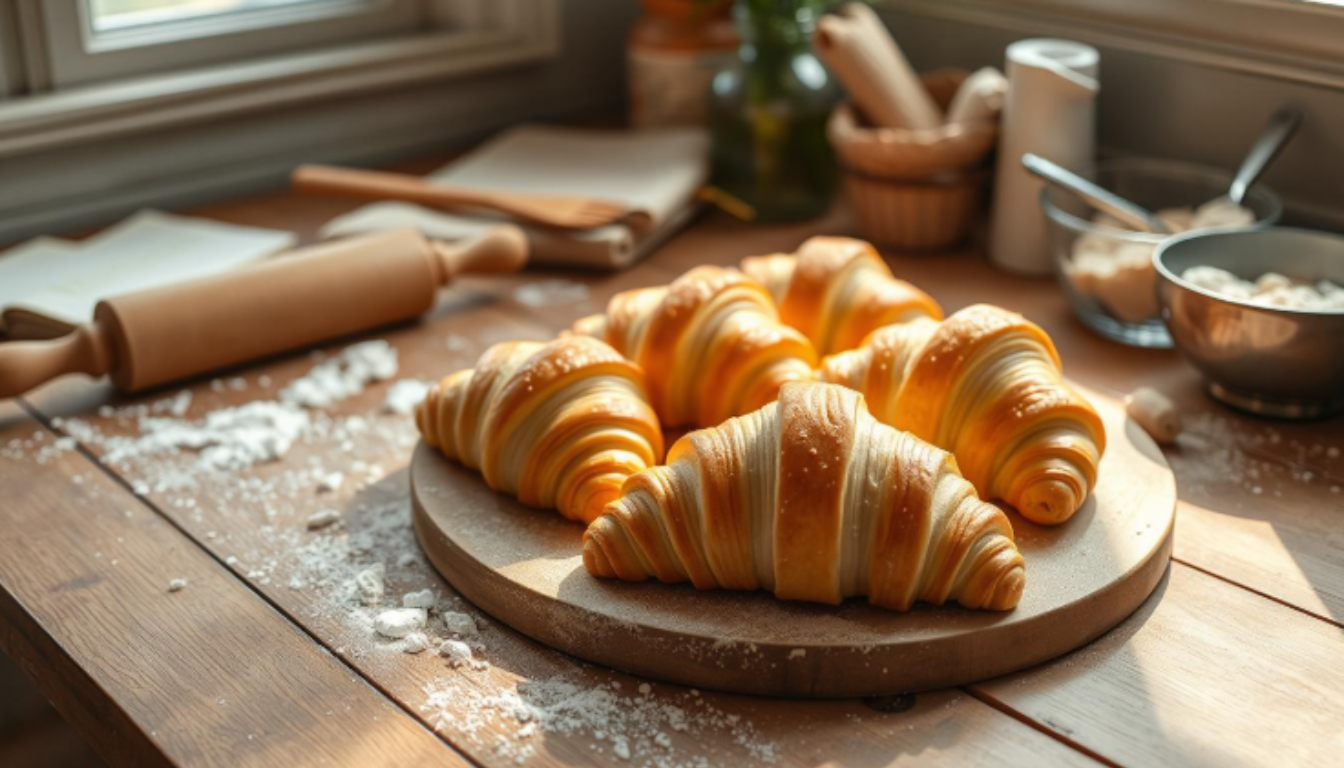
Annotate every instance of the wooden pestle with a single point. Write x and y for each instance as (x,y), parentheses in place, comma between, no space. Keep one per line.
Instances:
(153,337)
(858,49)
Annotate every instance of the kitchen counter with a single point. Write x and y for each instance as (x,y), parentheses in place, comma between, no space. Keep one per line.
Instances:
(261,657)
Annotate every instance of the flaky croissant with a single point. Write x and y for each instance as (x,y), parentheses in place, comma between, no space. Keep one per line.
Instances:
(985,384)
(561,424)
(710,344)
(837,290)
(813,499)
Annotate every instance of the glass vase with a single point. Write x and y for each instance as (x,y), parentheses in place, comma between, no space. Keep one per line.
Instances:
(768,114)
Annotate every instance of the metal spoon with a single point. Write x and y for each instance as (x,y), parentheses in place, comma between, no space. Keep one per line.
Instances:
(1103,200)
(1280,129)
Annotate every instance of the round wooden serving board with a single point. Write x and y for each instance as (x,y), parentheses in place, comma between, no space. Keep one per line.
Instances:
(523,566)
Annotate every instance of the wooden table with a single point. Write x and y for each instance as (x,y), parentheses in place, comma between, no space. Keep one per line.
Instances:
(1238,659)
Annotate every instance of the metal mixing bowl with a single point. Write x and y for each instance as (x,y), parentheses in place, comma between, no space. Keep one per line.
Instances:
(1287,363)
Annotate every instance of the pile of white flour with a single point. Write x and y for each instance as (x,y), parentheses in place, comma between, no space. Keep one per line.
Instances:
(231,439)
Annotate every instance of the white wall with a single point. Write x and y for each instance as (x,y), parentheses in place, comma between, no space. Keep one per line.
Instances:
(1158,107)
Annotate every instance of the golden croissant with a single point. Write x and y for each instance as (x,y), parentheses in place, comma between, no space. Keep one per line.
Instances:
(811,498)
(985,384)
(837,290)
(560,424)
(710,344)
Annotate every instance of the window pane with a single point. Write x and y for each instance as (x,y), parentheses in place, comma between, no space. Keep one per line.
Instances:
(107,15)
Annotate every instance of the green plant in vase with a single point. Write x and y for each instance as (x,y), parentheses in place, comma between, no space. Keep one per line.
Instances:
(768,114)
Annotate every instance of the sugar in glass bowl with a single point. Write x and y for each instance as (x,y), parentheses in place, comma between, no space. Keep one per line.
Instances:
(1107,271)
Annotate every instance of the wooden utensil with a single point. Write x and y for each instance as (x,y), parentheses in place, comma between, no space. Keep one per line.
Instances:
(557,211)
(153,337)
(857,47)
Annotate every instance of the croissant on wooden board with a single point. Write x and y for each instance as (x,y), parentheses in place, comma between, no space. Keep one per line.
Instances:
(812,498)
(837,290)
(710,344)
(985,384)
(558,425)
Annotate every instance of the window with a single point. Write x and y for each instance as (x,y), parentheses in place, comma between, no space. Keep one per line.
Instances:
(113,15)
(76,70)
(77,42)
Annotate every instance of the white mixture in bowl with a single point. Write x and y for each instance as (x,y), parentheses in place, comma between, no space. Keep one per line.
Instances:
(1270,289)
(1119,274)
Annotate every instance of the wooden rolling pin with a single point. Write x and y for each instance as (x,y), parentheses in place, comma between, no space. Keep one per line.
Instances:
(153,337)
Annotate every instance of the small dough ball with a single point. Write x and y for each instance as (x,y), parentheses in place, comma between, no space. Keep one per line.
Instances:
(1222,212)
(1271,281)
(1129,292)
(1177,219)
(1155,412)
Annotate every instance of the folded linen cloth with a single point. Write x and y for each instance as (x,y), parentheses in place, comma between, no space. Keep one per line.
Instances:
(657,171)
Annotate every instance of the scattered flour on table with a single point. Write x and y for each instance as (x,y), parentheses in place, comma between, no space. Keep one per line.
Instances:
(550,293)
(460,624)
(371,583)
(415,642)
(659,727)
(163,451)
(457,653)
(227,439)
(231,439)
(423,599)
(399,622)
(329,482)
(322,518)
(1257,459)
(39,448)
(347,577)
(343,376)
(455,343)
(404,395)
(644,727)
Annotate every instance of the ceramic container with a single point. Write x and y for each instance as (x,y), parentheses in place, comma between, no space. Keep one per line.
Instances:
(1050,110)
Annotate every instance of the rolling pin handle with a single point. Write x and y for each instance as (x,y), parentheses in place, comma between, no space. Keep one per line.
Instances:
(500,249)
(28,364)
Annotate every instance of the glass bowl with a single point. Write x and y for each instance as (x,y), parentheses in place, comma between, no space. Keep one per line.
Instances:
(1107,271)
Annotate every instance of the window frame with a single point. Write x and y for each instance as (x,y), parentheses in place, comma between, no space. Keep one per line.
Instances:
(460,37)
(64,51)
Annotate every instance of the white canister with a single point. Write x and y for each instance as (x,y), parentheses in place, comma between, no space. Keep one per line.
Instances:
(1050,110)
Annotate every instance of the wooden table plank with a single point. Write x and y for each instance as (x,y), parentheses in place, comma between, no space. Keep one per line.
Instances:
(307,575)
(1205,674)
(209,675)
